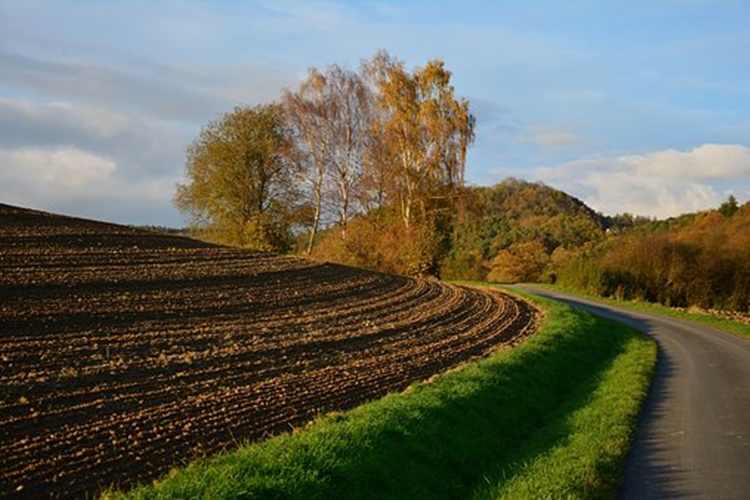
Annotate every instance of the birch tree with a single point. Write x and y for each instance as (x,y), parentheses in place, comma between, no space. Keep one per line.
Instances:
(425,132)
(350,104)
(331,114)
(306,112)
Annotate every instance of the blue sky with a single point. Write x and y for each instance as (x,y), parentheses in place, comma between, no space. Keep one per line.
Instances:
(632,106)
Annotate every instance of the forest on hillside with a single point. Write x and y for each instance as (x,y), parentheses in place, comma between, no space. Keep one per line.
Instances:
(515,230)
(518,231)
(509,232)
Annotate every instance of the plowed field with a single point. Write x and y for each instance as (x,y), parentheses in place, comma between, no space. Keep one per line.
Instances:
(125,353)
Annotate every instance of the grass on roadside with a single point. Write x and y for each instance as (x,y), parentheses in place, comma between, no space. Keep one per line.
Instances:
(736,327)
(552,416)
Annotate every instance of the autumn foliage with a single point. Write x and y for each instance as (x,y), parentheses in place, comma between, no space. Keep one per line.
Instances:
(698,260)
(515,230)
(241,188)
(364,167)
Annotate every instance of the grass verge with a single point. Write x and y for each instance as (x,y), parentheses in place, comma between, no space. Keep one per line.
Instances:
(736,327)
(552,416)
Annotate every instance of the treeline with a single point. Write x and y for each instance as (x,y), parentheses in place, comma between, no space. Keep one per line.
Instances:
(696,260)
(518,231)
(364,167)
(513,231)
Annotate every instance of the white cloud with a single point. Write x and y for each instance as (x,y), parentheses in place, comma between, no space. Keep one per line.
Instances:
(77,182)
(240,84)
(660,184)
(59,118)
(63,168)
(709,161)
(140,146)
(174,92)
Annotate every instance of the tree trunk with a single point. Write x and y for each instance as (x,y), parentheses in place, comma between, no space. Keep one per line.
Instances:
(316,219)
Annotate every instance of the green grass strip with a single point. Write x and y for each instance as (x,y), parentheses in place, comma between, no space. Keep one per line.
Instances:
(736,327)
(590,441)
(560,406)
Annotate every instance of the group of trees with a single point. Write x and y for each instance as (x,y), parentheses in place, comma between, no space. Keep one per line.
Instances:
(518,231)
(695,260)
(381,145)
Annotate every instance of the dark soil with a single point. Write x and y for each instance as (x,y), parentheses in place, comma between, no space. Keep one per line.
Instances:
(125,353)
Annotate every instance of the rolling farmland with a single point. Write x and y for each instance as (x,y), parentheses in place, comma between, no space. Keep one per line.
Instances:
(125,353)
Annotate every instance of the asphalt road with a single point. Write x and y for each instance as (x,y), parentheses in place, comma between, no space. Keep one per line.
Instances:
(693,439)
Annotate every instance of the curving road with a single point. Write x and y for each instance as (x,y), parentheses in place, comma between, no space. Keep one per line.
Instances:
(693,439)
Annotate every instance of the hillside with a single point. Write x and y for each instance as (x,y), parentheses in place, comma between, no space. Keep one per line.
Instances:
(515,230)
(125,353)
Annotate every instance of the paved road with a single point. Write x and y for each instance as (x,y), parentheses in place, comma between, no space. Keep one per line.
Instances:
(693,440)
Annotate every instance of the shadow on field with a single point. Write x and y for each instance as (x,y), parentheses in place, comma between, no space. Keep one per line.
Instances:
(646,475)
(472,428)
(485,423)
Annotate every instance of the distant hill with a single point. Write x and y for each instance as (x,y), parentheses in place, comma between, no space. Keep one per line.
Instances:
(515,230)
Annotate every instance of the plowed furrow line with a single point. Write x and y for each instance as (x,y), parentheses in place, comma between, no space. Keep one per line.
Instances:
(125,353)
(98,307)
(309,404)
(269,355)
(157,379)
(237,360)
